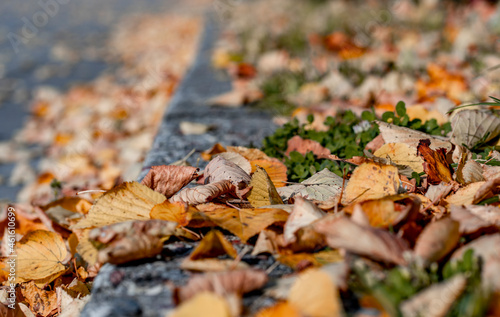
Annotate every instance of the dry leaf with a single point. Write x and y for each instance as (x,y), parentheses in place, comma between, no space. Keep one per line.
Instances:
(401,154)
(322,186)
(249,153)
(437,192)
(371,181)
(220,169)
(173,211)
(74,204)
(376,244)
(212,265)
(437,239)
(128,201)
(469,223)
(490,214)
(468,172)
(216,149)
(436,167)
(203,304)
(204,193)
(266,243)
(85,248)
(304,213)
(487,190)
(282,309)
(237,159)
(239,282)
(213,245)
(465,195)
(320,258)
(245,223)
(41,302)
(471,127)
(131,240)
(194,128)
(263,192)
(275,169)
(41,256)
(169,179)
(71,307)
(396,134)
(303,146)
(436,300)
(315,294)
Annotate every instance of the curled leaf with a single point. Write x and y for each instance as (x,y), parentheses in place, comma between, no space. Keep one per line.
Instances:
(204,193)
(220,169)
(169,179)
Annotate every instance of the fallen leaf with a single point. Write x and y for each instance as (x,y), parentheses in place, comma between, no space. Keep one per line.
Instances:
(377,244)
(245,223)
(41,255)
(72,306)
(203,304)
(304,213)
(488,189)
(173,211)
(266,243)
(322,186)
(303,146)
(436,167)
(465,195)
(275,169)
(468,172)
(490,213)
(237,159)
(315,294)
(401,154)
(85,248)
(169,179)
(194,128)
(437,192)
(437,240)
(74,204)
(396,134)
(472,127)
(313,259)
(213,245)
(41,302)
(204,193)
(131,240)
(263,192)
(212,265)
(220,169)
(469,223)
(249,153)
(282,309)
(215,149)
(128,201)
(239,282)
(435,300)
(371,181)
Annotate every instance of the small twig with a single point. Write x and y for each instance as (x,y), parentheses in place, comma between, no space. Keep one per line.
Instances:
(272,267)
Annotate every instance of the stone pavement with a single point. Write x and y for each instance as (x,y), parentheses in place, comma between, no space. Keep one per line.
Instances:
(144,288)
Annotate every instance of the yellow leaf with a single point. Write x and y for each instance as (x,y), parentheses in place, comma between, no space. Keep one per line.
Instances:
(315,294)
(401,154)
(274,169)
(41,302)
(263,192)
(85,248)
(40,255)
(205,304)
(213,245)
(371,181)
(176,212)
(245,223)
(128,201)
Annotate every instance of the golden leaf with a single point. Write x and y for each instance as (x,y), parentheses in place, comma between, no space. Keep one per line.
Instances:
(245,223)
(85,248)
(41,255)
(371,181)
(263,192)
(275,169)
(315,259)
(128,201)
(42,302)
(213,245)
(401,154)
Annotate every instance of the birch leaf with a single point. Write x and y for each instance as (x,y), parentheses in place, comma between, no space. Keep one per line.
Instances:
(263,192)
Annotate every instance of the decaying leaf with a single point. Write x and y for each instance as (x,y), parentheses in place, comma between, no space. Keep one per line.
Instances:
(488,189)
(206,304)
(169,179)
(315,294)
(128,201)
(304,213)
(322,186)
(436,167)
(213,245)
(245,223)
(40,256)
(173,211)
(263,192)
(220,169)
(41,302)
(204,193)
(437,240)
(471,127)
(401,154)
(303,146)
(377,244)
(371,181)
(275,169)
(436,300)
(131,240)
(396,134)
(238,281)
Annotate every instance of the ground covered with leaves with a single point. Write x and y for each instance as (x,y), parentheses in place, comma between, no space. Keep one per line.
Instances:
(380,194)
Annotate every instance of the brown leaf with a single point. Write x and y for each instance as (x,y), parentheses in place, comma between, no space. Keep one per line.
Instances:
(281,309)
(488,189)
(401,154)
(263,192)
(490,213)
(239,281)
(131,240)
(303,146)
(237,159)
(465,195)
(245,223)
(41,302)
(436,167)
(437,239)
(377,244)
(469,223)
(266,243)
(169,179)
(213,245)
(204,193)
(320,258)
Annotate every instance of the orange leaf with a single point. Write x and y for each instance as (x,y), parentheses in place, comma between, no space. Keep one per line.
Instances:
(274,169)
(41,302)
(216,149)
(176,212)
(436,167)
(283,309)
(213,245)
